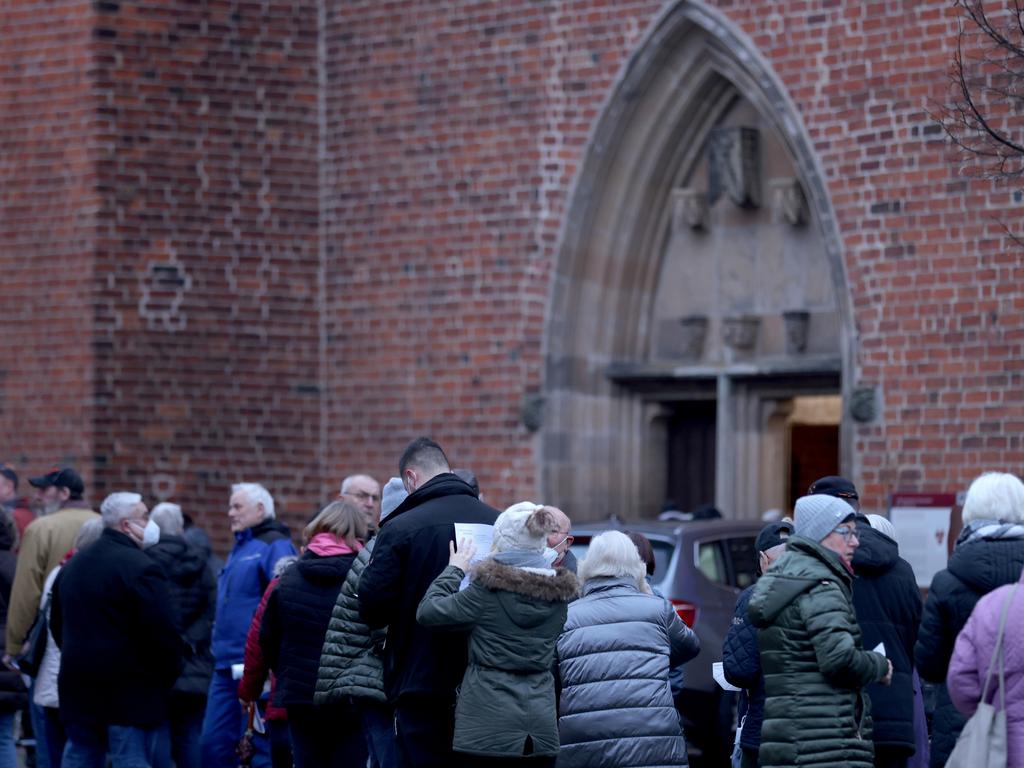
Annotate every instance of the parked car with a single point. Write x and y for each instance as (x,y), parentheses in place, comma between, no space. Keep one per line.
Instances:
(701,567)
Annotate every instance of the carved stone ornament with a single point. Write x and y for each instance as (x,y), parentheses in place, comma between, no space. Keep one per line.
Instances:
(796,322)
(693,330)
(735,166)
(531,411)
(789,203)
(740,332)
(689,209)
(862,405)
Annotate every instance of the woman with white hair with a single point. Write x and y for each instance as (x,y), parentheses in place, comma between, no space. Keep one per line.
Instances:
(988,554)
(514,609)
(614,655)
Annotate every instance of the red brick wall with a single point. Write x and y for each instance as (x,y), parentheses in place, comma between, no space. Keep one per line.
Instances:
(47,229)
(456,132)
(240,300)
(207,263)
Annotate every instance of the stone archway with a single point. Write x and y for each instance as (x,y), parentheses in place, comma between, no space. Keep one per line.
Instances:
(608,378)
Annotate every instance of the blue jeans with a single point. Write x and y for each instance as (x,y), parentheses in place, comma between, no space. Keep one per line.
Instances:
(38,719)
(8,752)
(378,721)
(126,746)
(53,735)
(224,724)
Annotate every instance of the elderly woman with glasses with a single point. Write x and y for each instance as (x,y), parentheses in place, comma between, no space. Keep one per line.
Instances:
(815,668)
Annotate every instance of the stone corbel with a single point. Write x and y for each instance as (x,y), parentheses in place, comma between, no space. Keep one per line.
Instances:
(789,203)
(689,209)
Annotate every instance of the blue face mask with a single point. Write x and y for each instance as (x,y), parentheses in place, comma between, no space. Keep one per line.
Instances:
(549,555)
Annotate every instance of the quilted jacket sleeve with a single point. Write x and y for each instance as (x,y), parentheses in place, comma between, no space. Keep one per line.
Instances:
(831,625)
(683,641)
(964,679)
(741,657)
(443,605)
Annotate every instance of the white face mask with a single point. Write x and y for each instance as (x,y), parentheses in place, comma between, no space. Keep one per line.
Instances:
(549,555)
(150,534)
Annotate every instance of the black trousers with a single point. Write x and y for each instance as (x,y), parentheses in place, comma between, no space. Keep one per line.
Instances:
(424,729)
(326,737)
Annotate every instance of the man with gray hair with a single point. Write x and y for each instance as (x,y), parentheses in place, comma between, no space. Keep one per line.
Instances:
(113,619)
(193,593)
(260,541)
(364,492)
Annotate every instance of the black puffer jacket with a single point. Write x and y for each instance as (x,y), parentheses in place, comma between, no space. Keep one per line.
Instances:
(741,662)
(295,622)
(194,597)
(888,607)
(975,569)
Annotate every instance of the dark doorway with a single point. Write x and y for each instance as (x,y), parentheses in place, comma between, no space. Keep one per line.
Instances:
(814,454)
(691,455)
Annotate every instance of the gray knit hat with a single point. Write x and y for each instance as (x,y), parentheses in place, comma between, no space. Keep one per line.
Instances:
(394,494)
(819,514)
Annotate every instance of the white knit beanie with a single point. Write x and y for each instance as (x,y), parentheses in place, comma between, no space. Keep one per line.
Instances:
(883,525)
(818,515)
(394,494)
(512,532)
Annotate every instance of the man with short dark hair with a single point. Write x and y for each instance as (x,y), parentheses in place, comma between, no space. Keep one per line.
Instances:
(422,667)
(112,616)
(47,539)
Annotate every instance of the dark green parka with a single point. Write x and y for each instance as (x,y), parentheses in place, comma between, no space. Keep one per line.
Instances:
(514,617)
(815,668)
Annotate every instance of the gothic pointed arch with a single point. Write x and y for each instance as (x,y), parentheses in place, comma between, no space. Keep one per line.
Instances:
(699,197)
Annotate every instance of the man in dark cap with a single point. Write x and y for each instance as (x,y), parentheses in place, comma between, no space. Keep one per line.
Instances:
(741,658)
(46,540)
(840,487)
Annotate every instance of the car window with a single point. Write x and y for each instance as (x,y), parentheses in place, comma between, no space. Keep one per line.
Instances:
(743,559)
(662,554)
(711,561)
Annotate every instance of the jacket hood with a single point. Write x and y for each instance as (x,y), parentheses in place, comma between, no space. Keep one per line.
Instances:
(986,564)
(804,565)
(445,484)
(877,553)
(268,525)
(180,561)
(526,596)
(324,570)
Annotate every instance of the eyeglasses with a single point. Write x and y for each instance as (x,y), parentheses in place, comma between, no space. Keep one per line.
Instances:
(363,495)
(846,532)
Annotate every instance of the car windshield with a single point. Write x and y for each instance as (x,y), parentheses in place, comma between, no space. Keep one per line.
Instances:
(662,554)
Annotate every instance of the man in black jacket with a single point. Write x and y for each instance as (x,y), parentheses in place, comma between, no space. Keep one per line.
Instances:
(741,656)
(422,667)
(113,620)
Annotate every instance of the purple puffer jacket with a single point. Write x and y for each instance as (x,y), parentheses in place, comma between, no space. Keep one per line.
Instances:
(972,655)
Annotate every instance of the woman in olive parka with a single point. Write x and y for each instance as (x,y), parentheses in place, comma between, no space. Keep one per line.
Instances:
(815,668)
(514,608)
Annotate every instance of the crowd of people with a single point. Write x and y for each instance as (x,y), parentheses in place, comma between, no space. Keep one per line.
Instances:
(416,625)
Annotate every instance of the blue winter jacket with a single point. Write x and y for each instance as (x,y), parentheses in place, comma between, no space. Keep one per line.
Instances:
(741,662)
(241,583)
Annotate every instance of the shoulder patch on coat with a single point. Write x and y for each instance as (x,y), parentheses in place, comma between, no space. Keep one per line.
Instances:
(562,587)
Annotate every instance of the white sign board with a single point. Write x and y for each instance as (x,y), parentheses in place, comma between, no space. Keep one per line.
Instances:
(922,531)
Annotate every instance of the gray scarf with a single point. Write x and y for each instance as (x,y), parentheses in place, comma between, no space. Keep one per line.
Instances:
(976,530)
(527,559)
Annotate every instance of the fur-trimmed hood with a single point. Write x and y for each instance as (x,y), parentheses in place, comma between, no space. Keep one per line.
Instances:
(560,587)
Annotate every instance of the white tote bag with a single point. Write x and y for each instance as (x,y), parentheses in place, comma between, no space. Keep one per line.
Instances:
(982,743)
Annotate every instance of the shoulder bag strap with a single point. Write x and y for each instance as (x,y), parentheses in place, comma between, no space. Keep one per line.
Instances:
(997,654)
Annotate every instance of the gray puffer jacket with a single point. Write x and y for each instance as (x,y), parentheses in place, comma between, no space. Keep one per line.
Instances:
(616,707)
(350,662)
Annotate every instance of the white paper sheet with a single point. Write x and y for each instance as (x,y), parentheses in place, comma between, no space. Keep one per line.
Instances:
(481,535)
(718,672)
(880,648)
